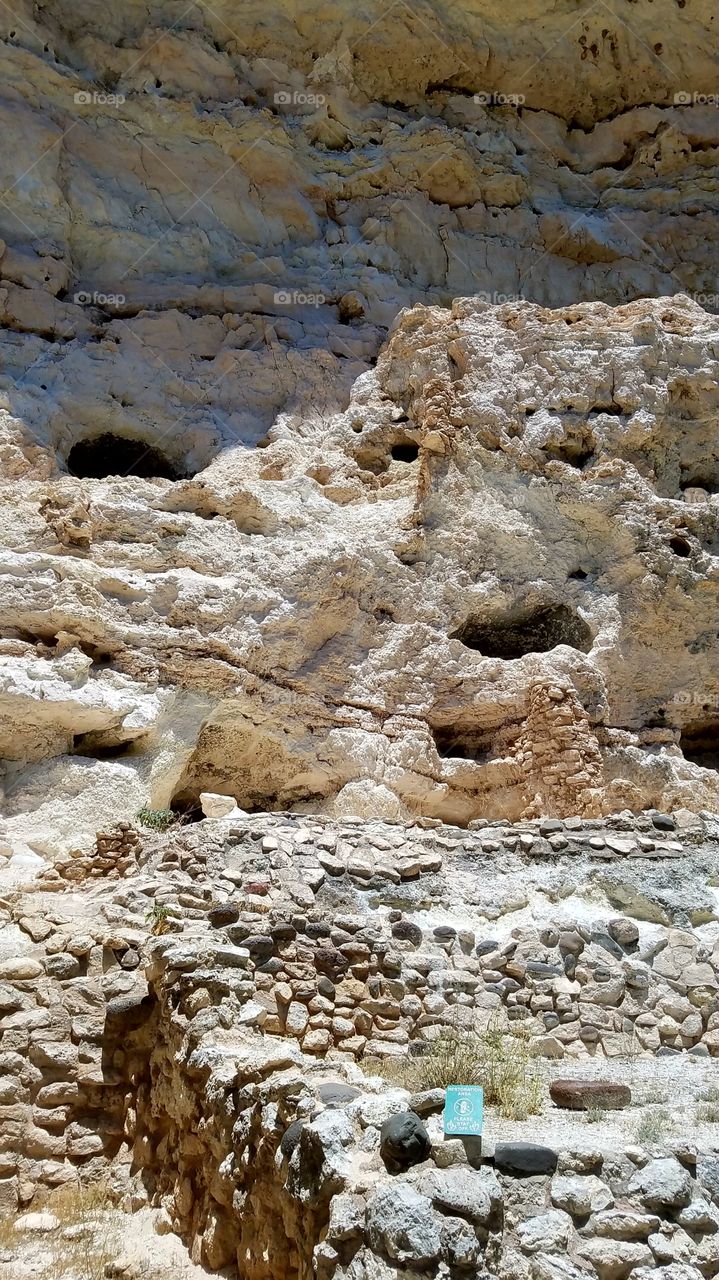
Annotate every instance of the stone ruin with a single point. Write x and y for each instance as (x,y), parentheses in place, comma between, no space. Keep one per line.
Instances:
(225,1032)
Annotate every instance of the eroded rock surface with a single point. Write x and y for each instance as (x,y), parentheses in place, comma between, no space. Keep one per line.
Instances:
(488,587)
(475,576)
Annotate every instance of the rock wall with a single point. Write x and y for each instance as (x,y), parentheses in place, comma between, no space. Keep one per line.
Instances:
(244,551)
(517,512)
(312,945)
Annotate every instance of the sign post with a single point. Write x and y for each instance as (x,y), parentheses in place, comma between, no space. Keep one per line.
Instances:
(463,1110)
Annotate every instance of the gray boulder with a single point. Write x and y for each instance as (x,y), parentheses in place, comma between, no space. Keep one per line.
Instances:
(547,1233)
(581,1196)
(467,1193)
(662,1184)
(460,1246)
(708,1175)
(401,1225)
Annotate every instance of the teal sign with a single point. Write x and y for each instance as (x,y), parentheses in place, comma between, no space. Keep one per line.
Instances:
(463,1109)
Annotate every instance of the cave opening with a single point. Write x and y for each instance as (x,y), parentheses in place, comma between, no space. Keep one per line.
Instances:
(456,743)
(186,807)
(103,746)
(405,451)
(699,742)
(700,479)
(574,453)
(515,634)
(680,546)
(111,455)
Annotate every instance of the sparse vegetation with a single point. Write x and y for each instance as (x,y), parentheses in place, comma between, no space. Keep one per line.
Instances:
(707,1113)
(595,1114)
(156,819)
(654,1093)
(158,916)
(500,1061)
(86,1239)
(653,1127)
(710,1094)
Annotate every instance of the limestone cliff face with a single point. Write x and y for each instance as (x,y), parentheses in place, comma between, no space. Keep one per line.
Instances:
(282,520)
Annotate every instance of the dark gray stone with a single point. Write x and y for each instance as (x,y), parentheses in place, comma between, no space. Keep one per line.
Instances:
(336,1094)
(538,969)
(404,1142)
(484,948)
(223,914)
(444,933)
(407,931)
(662,821)
(290,1138)
(259,944)
(524,1159)
(604,940)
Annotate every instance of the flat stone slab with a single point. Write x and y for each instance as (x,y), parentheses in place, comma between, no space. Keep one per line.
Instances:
(524,1158)
(581,1095)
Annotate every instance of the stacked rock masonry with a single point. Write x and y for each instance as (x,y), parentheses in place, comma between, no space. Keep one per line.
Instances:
(209,1029)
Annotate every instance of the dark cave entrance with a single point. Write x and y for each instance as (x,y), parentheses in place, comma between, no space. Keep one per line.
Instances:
(186,807)
(700,742)
(110,455)
(456,743)
(525,631)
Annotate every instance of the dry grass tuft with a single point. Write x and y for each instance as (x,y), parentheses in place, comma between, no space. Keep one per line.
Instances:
(653,1127)
(85,1241)
(500,1061)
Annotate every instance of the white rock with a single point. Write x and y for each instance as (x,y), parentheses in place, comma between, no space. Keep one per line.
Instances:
(37,1222)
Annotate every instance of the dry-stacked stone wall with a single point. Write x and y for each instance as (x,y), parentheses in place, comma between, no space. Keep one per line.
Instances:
(324,945)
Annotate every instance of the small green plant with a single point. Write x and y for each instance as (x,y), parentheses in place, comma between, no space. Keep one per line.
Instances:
(158,916)
(156,819)
(595,1113)
(653,1127)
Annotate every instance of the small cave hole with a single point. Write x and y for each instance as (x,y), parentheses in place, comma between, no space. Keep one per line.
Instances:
(186,807)
(572,453)
(579,575)
(110,455)
(405,451)
(455,743)
(99,746)
(699,742)
(699,480)
(680,546)
(529,631)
